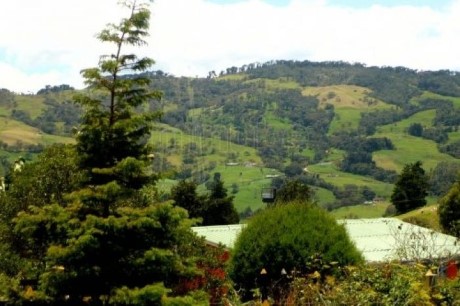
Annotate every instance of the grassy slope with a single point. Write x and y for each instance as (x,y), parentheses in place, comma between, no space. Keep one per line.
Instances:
(409,149)
(330,173)
(349,102)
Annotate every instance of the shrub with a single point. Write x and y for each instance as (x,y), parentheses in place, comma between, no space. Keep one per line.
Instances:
(382,284)
(286,237)
(449,211)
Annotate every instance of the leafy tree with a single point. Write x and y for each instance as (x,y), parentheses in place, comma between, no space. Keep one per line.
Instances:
(45,180)
(443,176)
(449,210)
(286,237)
(293,169)
(411,188)
(293,190)
(415,129)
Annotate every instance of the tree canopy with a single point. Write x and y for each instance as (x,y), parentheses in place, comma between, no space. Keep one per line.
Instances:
(411,188)
(449,210)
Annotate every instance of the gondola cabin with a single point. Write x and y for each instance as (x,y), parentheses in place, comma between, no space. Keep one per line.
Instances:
(268,195)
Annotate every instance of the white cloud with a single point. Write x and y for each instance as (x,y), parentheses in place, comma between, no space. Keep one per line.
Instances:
(50,41)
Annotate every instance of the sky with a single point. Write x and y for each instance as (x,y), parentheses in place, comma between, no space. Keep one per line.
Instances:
(48,42)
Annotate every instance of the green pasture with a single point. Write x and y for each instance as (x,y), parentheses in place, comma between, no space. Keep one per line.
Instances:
(330,173)
(232,77)
(334,155)
(5,111)
(345,118)
(425,118)
(281,83)
(375,210)
(349,103)
(48,139)
(33,105)
(250,181)
(276,122)
(12,131)
(426,216)
(454,137)
(323,196)
(173,143)
(345,96)
(431,95)
(409,149)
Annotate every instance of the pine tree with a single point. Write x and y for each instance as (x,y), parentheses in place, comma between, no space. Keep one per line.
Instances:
(112,139)
(219,206)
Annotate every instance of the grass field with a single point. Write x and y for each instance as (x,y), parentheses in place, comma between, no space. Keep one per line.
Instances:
(349,102)
(349,96)
(409,149)
(12,131)
(33,105)
(330,173)
(346,118)
(426,216)
(213,149)
(281,83)
(376,210)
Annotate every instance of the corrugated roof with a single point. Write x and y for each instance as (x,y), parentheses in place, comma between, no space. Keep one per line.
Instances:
(379,239)
(220,234)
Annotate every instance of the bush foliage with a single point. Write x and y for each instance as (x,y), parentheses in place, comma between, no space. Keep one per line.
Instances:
(286,237)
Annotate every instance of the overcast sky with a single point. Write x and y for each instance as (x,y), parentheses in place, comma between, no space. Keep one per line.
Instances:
(48,42)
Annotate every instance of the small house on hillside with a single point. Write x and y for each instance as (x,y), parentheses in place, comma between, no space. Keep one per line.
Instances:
(379,240)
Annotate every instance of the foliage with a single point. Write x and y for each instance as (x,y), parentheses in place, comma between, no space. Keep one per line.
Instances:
(155,295)
(443,176)
(452,149)
(59,88)
(112,138)
(184,194)
(381,284)
(415,129)
(276,238)
(45,180)
(293,191)
(449,210)
(411,188)
(101,240)
(99,256)
(215,208)
(219,205)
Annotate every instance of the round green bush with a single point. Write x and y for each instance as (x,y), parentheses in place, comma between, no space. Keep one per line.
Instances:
(287,237)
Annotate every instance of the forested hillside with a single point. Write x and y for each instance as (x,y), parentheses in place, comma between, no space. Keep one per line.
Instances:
(345,129)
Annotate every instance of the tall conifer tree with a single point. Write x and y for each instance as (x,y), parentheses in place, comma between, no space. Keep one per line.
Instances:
(112,138)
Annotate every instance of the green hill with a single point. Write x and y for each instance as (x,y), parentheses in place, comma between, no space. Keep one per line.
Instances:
(344,128)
